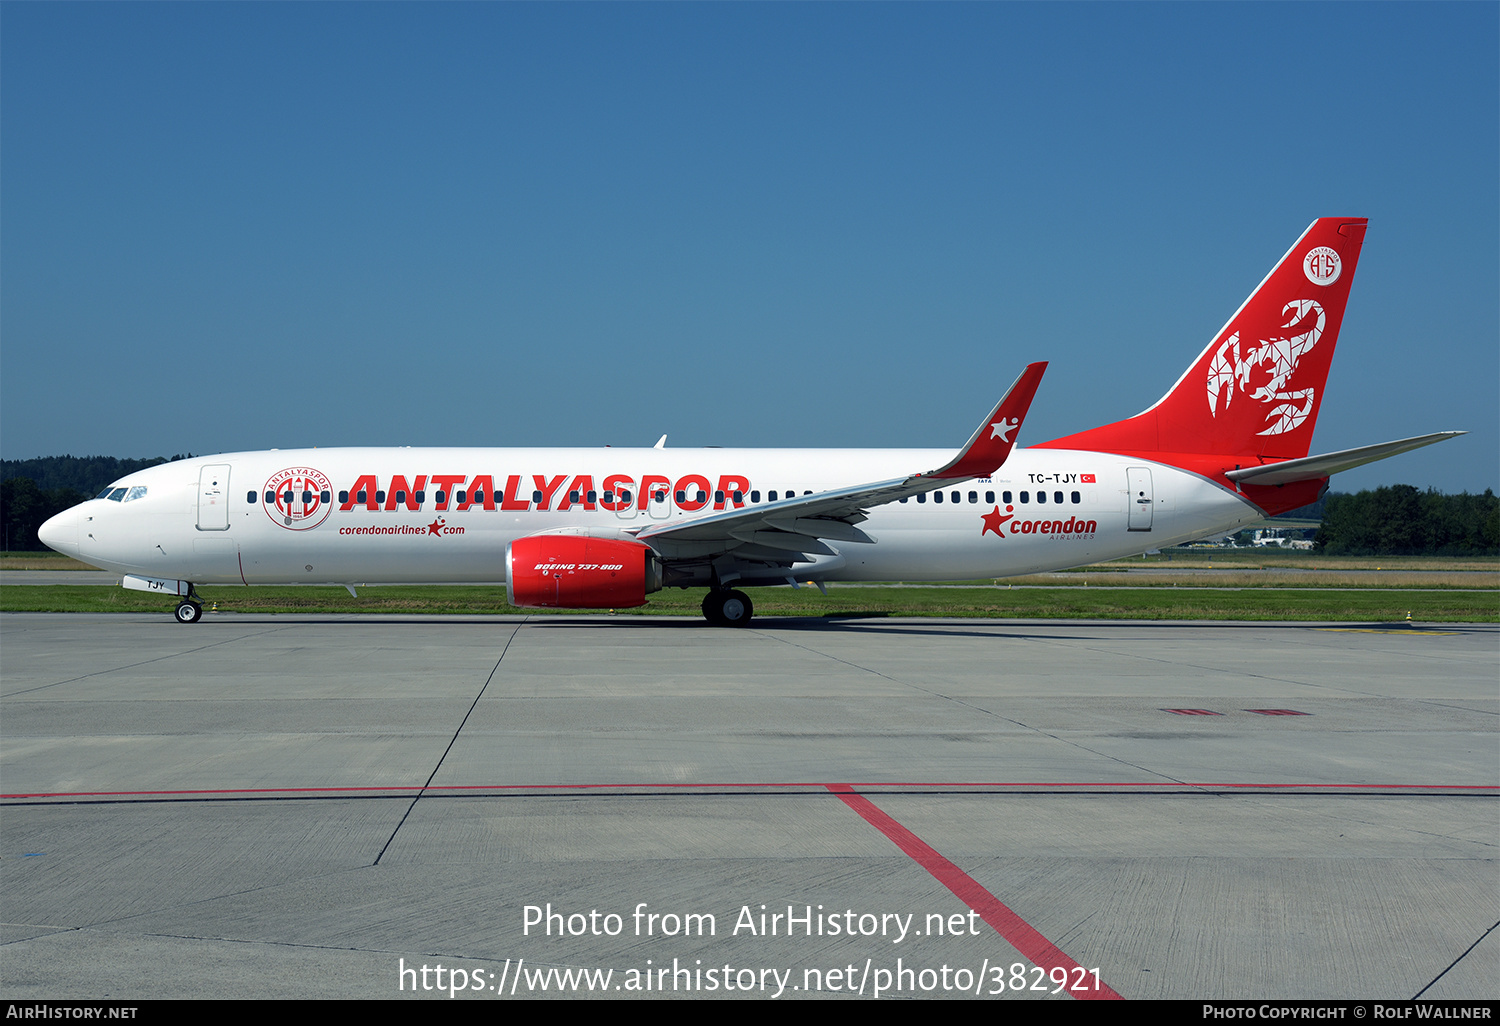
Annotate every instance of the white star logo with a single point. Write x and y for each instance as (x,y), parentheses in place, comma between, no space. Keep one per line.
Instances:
(1002,428)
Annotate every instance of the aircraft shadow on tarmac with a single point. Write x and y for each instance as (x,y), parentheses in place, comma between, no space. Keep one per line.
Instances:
(860,622)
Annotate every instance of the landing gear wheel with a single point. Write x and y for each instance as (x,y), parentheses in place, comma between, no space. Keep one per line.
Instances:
(189,612)
(728,608)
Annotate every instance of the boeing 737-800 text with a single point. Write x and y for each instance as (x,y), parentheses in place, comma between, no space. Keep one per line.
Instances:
(593,528)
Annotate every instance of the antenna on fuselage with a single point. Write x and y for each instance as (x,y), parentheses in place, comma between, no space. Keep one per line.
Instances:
(661,443)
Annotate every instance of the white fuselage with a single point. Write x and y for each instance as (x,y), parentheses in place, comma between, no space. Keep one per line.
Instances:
(207,520)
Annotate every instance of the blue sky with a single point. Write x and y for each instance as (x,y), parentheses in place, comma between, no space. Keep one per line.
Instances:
(244,226)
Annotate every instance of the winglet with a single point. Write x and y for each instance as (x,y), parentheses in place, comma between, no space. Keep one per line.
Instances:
(992,442)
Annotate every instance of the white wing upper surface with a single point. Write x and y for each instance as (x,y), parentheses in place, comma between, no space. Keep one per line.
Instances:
(792,530)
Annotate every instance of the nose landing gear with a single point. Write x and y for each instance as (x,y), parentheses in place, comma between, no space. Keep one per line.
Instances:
(189,610)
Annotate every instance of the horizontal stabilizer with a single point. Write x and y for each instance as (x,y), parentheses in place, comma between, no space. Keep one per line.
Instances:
(1310,468)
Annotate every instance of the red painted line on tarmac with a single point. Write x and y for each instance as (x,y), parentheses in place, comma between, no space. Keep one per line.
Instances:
(1017,932)
(407,789)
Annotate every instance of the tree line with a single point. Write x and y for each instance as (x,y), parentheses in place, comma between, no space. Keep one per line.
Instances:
(33,490)
(1399,520)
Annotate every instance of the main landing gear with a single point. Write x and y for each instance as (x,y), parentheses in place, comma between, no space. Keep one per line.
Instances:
(189,610)
(728,608)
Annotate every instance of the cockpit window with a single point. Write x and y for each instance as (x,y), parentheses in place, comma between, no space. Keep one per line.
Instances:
(137,492)
(117,494)
(104,494)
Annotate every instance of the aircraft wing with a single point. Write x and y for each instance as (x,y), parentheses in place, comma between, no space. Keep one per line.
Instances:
(1310,468)
(794,529)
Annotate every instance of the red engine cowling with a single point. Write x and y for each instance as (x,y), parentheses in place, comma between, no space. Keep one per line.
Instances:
(569,571)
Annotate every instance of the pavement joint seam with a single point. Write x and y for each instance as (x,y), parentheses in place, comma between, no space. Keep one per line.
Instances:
(1455,962)
(451,741)
(147,662)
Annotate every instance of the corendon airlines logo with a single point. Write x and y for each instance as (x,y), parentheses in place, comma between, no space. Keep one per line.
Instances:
(1002,428)
(298,498)
(1262,371)
(996,522)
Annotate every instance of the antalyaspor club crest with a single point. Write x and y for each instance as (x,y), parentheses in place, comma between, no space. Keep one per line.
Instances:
(298,498)
(1322,265)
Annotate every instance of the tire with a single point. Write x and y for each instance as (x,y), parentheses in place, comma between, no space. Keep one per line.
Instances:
(189,612)
(735,609)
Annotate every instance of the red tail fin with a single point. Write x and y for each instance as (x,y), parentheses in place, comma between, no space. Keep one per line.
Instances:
(1255,391)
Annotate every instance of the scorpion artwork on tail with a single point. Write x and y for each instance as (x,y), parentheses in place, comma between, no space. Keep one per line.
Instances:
(1275,360)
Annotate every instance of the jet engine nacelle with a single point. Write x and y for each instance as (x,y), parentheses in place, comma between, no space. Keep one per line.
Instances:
(570,571)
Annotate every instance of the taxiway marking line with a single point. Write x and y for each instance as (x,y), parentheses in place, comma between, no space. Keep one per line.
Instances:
(1018,933)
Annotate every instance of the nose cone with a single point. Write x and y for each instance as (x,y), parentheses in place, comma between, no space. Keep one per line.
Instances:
(61,532)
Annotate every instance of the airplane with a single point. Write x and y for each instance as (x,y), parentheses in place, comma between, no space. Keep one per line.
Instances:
(1227,445)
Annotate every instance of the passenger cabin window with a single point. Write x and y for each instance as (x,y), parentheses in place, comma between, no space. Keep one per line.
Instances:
(771,495)
(573,496)
(1025,496)
(441,496)
(990,497)
(1041,496)
(536,497)
(400,495)
(1057,497)
(1005,497)
(592,497)
(343,497)
(380,495)
(921,496)
(737,496)
(937,496)
(973,496)
(953,496)
(458,496)
(755,495)
(1076,498)
(250,498)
